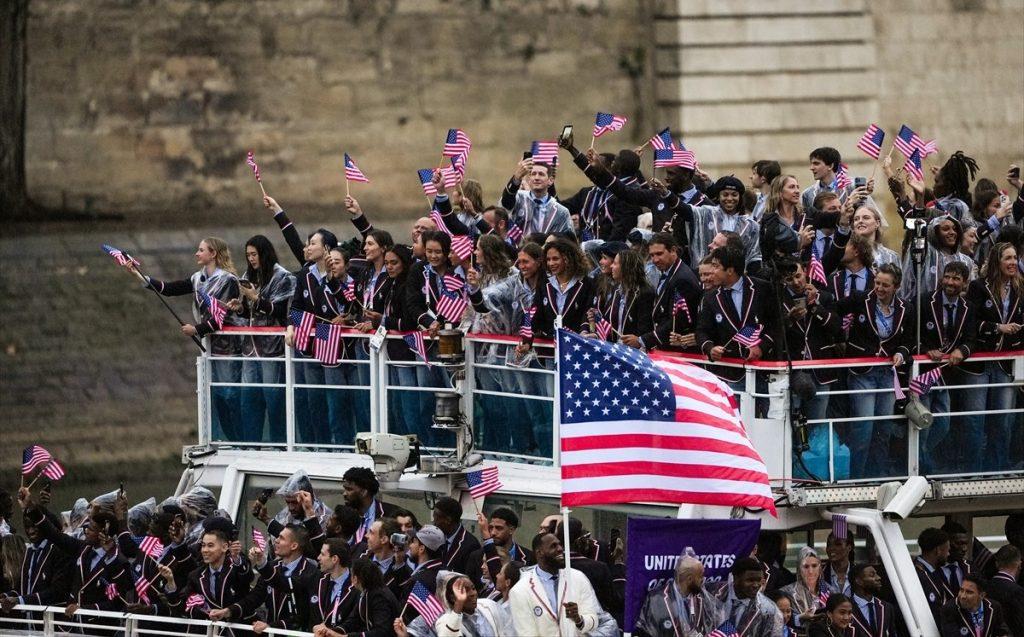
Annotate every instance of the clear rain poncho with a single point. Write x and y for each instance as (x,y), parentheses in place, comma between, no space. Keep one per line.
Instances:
(299,481)
(198,503)
(139,517)
(76,517)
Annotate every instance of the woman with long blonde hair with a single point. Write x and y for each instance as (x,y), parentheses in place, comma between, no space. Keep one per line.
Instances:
(216,280)
(784,200)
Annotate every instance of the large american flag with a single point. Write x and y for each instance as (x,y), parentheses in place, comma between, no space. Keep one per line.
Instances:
(544,151)
(462,245)
(913,165)
(426,176)
(456,143)
(151,546)
(425,603)
(604,122)
(53,470)
(328,337)
(213,306)
(304,324)
(121,258)
(871,141)
(662,140)
(352,172)
(451,302)
(250,159)
(641,429)
(33,457)
(483,482)
(907,141)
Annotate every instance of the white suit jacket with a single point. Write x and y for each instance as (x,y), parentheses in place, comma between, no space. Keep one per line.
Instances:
(532,613)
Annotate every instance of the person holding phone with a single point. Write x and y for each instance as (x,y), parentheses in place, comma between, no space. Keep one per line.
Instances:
(534,209)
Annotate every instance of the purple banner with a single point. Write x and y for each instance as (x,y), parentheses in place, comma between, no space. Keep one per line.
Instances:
(653,547)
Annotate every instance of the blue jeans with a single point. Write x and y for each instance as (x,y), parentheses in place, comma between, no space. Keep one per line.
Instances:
(537,424)
(263,405)
(310,402)
(416,408)
(817,455)
(933,448)
(870,440)
(986,437)
(342,403)
(225,418)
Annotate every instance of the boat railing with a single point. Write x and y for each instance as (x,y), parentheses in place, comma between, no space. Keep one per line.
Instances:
(292,402)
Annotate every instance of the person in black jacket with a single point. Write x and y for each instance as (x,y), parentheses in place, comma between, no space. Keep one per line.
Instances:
(881,326)
(425,550)
(564,299)
(376,608)
(101,577)
(971,610)
(602,215)
(598,573)
(838,620)
(46,570)
(286,583)
(740,302)
(459,543)
(632,302)
(334,597)
(499,548)
(1003,587)
(677,299)
(947,330)
(872,616)
(391,560)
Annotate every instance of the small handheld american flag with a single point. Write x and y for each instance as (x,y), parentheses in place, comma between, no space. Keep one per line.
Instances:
(450,176)
(250,159)
(426,176)
(907,141)
(195,600)
(679,305)
(544,151)
(913,165)
(303,322)
(418,345)
(456,143)
(871,141)
(325,346)
(32,458)
(141,586)
(483,482)
(462,245)
(53,470)
(604,122)
(843,177)
(601,325)
(823,597)
(923,383)
(349,291)
(929,147)
(816,271)
(213,306)
(151,546)
(259,540)
(514,233)
(121,258)
(111,591)
(896,389)
(526,329)
(425,603)
(662,140)
(674,157)
(352,172)
(451,303)
(725,630)
(840,529)
(749,335)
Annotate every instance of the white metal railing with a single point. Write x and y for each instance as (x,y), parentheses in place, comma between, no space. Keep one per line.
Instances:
(525,398)
(52,620)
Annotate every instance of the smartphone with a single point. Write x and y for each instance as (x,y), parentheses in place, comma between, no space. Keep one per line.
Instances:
(1003,199)
(566,131)
(800,302)
(245,284)
(527,155)
(859,182)
(265,496)
(1015,172)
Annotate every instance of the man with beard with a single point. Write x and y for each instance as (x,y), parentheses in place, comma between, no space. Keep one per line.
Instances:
(361,490)
(681,607)
(743,603)
(872,616)
(544,603)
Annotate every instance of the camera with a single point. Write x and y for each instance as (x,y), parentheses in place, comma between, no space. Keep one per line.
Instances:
(392,454)
(399,540)
(900,501)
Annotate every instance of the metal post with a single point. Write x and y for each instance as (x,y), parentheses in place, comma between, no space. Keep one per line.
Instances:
(375,387)
(913,435)
(469,385)
(289,397)
(383,376)
(202,401)
(556,414)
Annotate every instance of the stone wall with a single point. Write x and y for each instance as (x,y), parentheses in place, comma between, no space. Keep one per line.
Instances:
(744,80)
(149,107)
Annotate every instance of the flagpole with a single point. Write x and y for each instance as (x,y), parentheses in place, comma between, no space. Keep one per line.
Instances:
(261,188)
(347,194)
(135,270)
(593,138)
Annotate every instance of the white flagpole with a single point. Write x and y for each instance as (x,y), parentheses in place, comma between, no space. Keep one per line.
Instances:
(558,454)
